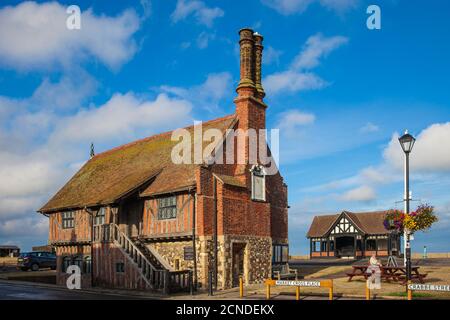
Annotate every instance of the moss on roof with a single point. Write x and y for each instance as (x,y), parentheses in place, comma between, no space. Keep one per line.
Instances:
(112,174)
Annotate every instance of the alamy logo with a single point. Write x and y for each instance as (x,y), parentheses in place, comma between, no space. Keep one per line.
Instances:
(374,20)
(237,147)
(74,280)
(73,21)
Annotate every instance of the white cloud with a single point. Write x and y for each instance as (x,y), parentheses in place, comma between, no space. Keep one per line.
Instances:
(202,13)
(292,81)
(369,127)
(431,152)
(316,47)
(206,95)
(296,78)
(362,193)
(271,55)
(37,160)
(123,114)
(293,119)
(288,7)
(35,36)
(203,39)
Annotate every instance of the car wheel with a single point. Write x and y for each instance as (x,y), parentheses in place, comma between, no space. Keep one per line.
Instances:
(35,267)
(24,269)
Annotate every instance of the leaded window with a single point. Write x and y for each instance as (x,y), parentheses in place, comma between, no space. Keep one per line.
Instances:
(100,217)
(87,264)
(66,262)
(68,219)
(167,208)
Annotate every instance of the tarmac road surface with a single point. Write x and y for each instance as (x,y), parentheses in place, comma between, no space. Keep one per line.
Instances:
(20,291)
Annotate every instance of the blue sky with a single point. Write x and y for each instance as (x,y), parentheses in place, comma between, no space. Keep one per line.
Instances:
(339,93)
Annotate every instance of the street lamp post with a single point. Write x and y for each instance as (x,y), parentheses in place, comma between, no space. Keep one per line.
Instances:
(407,143)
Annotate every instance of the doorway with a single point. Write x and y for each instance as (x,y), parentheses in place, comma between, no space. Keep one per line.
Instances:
(238,255)
(345,246)
(130,218)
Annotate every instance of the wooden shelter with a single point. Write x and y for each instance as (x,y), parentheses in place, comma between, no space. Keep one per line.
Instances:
(351,234)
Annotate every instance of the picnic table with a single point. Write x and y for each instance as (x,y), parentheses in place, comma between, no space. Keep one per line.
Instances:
(397,274)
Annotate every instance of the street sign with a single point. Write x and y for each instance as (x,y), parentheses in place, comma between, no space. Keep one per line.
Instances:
(428,287)
(188,253)
(297,283)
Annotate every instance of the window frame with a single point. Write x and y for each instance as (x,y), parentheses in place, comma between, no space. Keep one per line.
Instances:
(163,206)
(280,253)
(101,217)
(258,172)
(65,263)
(68,219)
(87,264)
(120,267)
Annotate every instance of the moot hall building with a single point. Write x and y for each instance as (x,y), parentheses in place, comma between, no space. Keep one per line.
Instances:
(132,218)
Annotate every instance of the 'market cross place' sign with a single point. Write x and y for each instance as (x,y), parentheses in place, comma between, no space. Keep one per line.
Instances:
(297,283)
(428,287)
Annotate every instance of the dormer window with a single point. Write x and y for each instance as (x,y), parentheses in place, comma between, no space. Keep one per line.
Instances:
(258,183)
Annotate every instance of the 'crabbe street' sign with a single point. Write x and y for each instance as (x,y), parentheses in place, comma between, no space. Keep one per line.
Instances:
(428,287)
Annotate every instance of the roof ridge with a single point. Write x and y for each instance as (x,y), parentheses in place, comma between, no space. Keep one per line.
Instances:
(158,135)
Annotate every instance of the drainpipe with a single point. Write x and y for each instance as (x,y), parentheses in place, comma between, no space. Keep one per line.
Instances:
(193,240)
(91,213)
(215,230)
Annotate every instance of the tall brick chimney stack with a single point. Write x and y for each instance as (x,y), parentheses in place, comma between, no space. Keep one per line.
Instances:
(250,108)
(260,94)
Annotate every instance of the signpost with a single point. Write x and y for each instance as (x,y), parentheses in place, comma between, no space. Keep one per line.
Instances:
(426,287)
(300,283)
(188,253)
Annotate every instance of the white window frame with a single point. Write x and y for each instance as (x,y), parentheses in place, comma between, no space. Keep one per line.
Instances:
(68,219)
(258,171)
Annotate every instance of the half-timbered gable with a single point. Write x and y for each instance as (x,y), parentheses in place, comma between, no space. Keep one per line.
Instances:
(352,235)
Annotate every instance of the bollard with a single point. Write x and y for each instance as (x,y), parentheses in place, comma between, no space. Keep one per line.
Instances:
(331,292)
(297,293)
(409,290)
(268,291)
(241,287)
(367,292)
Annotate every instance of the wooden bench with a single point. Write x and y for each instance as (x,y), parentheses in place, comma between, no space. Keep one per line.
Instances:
(283,272)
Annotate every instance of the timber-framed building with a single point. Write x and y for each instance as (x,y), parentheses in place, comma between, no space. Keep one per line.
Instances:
(352,235)
(132,218)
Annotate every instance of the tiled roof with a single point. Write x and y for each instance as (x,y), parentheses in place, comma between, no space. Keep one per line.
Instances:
(230,180)
(367,222)
(113,174)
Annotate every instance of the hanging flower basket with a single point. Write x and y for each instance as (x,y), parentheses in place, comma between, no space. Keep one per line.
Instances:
(419,220)
(394,220)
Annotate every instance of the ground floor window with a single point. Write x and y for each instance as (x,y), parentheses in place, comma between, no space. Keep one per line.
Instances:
(358,245)
(280,253)
(84,263)
(120,267)
(66,262)
(371,245)
(87,264)
(382,244)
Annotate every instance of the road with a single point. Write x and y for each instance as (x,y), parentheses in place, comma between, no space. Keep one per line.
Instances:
(20,291)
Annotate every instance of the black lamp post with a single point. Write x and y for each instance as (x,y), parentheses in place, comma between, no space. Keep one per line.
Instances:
(407,143)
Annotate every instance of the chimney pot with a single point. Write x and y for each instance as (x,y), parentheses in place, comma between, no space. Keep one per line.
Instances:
(247,80)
